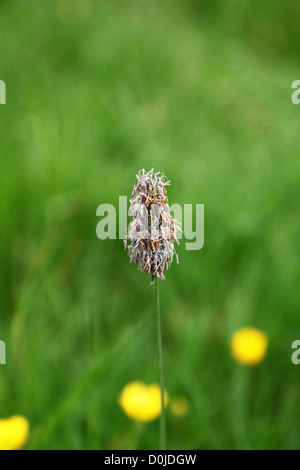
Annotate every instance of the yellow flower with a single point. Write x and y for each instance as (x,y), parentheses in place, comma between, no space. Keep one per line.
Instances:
(180,406)
(13,432)
(249,346)
(142,402)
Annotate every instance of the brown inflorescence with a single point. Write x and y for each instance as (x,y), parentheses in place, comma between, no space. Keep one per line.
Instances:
(152,233)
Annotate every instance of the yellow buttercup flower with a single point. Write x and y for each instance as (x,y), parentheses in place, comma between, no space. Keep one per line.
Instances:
(180,406)
(142,402)
(249,346)
(13,432)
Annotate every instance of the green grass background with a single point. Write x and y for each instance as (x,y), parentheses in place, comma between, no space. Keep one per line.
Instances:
(97,90)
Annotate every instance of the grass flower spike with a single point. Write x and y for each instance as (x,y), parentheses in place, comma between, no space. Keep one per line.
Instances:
(152,233)
(142,402)
(249,346)
(13,432)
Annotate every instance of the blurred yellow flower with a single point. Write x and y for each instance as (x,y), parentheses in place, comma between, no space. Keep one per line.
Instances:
(142,402)
(249,346)
(13,432)
(180,406)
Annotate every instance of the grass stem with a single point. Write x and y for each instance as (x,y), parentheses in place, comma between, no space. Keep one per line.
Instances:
(163,443)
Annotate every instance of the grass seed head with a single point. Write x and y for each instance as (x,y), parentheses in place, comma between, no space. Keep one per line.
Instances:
(152,232)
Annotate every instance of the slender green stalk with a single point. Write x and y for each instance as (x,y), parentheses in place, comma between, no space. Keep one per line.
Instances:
(163,443)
